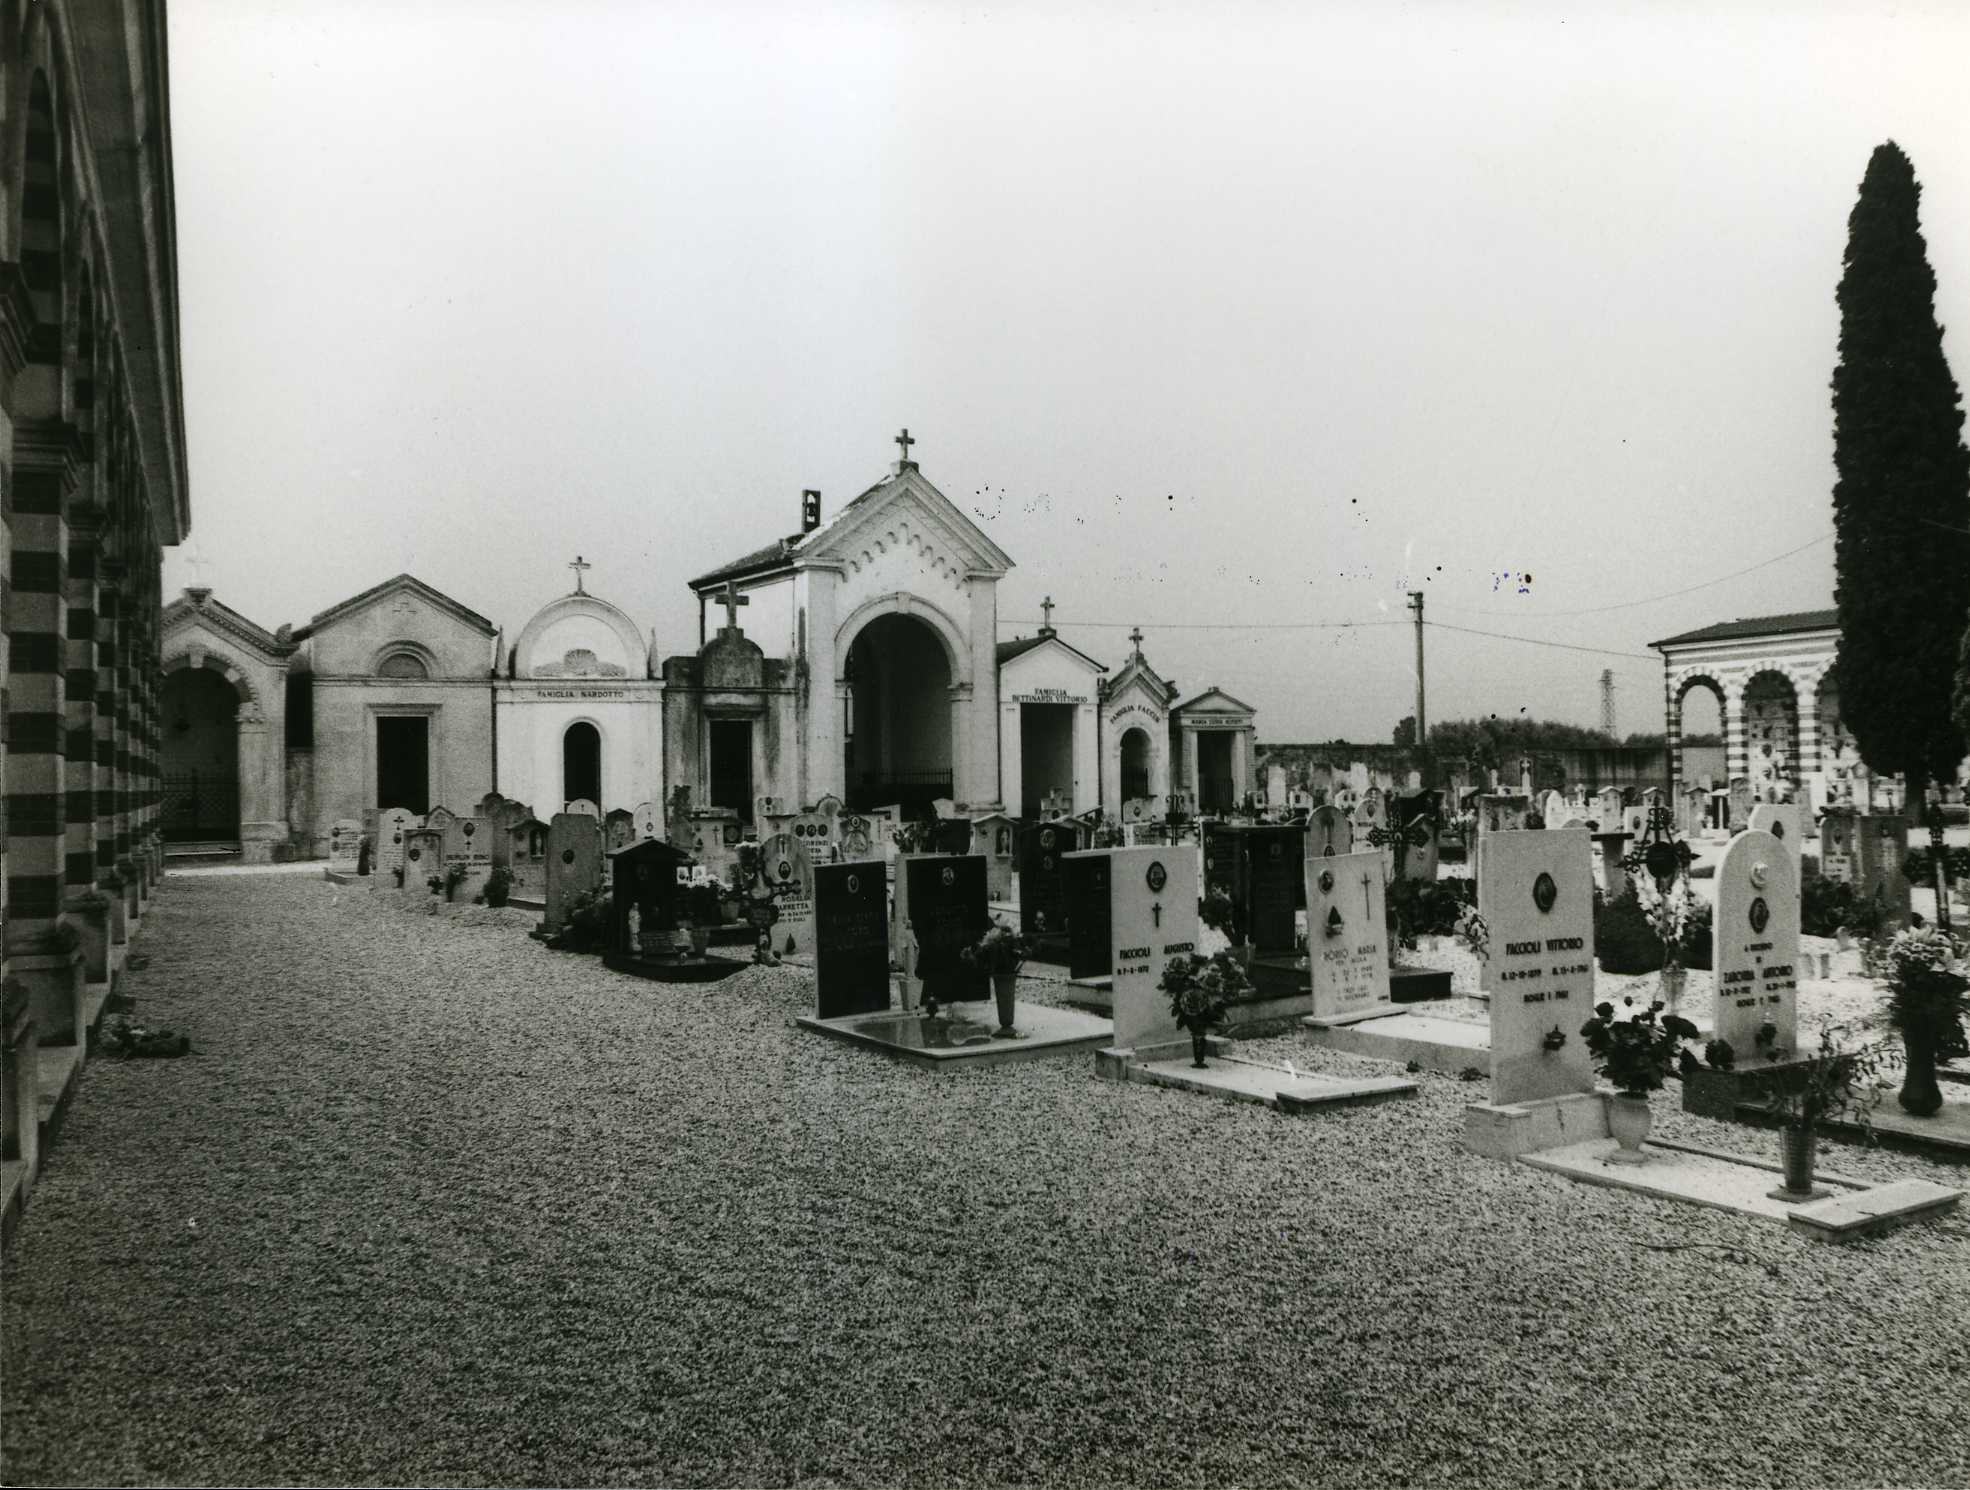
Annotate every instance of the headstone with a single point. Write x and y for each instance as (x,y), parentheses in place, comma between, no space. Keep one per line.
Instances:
(1329,833)
(618,829)
(1607,808)
(1358,778)
(789,871)
(1085,890)
(1275,786)
(1151,918)
(1783,820)
(1138,810)
(468,845)
(1537,900)
(851,939)
(574,863)
(391,825)
(713,836)
(1552,807)
(943,807)
(1613,847)
(1867,851)
(345,841)
(438,817)
(424,858)
(1741,802)
(1692,809)
(1347,934)
(1368,813)
(1525,777)
(857,836)
(1274,860)
(948,912)
(648,877)
(1634,820)
(1043,881)
(582,807)
(649,819)
(993,834)
(1420,817)
(526,856)
(1755,944)
(1501,812)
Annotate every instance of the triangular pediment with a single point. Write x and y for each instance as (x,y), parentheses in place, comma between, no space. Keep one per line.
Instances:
(1214,701)
(1138,677)
(907,494)
(406,592)
(198,608)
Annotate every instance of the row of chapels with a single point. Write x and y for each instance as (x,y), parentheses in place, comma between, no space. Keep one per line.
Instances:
(885,685)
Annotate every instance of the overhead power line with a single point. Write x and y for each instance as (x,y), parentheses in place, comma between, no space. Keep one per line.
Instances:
(1595,610)
(1533,641)
(1209,625)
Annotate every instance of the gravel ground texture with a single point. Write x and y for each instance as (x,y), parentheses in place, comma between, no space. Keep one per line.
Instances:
(431,1204)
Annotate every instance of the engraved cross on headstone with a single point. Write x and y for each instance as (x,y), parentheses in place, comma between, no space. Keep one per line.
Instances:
(1156,913)
(731,599)
(1367,899)
(578,566)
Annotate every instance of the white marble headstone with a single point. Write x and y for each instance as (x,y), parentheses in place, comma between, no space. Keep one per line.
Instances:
(1785,822)
(1537,900)
(388,858)
(1755,943)
(1347,934)
(1152,896)
(584,807)
(649,820)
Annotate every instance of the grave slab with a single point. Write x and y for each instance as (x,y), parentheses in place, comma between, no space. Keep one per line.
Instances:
(959,1041)
(1447,1045)
(1272,1086)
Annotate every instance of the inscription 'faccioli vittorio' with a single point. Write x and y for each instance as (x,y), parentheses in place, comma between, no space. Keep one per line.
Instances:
(1551,944)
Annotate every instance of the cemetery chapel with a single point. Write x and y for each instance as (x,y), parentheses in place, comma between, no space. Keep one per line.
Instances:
(857,660)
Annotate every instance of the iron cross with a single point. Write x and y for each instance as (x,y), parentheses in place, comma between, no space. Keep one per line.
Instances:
(1135,637)
(1046,611)
(578,566)
(904,442)
(731,599)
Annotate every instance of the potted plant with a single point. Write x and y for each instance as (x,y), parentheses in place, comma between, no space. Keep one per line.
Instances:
(1926,1005)
(499,886)
(1000,952)
(1200,989)
(1672,916)
(1826,1082)
(1635,1055)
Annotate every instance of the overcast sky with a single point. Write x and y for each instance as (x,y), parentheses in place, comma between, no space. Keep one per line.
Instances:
(1208,314)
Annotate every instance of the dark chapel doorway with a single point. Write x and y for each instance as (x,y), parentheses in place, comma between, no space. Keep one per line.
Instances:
(201,757)
(403,763)
(898,749)
(581,764)
(731,766)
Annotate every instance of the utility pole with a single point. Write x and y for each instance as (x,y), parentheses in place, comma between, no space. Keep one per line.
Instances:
(1607,702)
(1422,725)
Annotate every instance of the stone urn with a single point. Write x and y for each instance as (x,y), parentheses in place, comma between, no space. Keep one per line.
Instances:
(1003,994)
(1629,1120)
(1200,1046)
(1796,1149)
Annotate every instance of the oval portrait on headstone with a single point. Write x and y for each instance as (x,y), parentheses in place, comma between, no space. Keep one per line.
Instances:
(949,876)
(1760,914)
(1046,861)
(470,828)
(1544,892)
(1327,880)
(1158,876)
(1046,838)
(416,854)
(854,883)
(1277,848)
(785,870)
(567,856)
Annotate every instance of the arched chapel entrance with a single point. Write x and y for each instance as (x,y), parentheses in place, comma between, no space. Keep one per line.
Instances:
(1135,763)
(581,764)
(898,742)
(200,757)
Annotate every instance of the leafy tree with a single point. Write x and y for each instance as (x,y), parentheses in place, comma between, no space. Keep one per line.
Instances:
(1405,732)
(1901,498)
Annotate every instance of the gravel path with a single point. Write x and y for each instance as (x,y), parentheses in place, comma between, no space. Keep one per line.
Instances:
(431,1204)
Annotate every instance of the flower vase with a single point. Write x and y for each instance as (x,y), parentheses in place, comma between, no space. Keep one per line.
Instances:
(1920,1096)
(1003,994)
(1796,1149)
(1674,978)
(1200,1046)
(1629,1120)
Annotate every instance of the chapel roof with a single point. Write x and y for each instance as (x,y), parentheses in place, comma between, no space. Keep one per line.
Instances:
(1213,691)
(196,603)
(1723,631)
(1019,646)
(411,582)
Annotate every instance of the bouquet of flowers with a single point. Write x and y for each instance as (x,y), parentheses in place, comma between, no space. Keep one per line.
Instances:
(1000,950)
(1200,988)
(1927,989)
(1672,916)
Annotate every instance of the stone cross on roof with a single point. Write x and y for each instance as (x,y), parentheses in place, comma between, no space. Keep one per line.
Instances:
(578,566)
(731,599)
(903,443)
(1046,616)
(1135,639)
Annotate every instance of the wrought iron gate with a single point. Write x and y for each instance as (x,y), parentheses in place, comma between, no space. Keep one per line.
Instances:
(201,807)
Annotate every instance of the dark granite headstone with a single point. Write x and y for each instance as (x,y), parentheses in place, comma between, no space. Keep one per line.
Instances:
(1274,862)
(948,835)
(948,912)
(1089,954)
(851,939)
(646,875)
(1043,848)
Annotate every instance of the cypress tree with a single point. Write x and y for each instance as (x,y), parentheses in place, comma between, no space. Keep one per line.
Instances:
(1901,498)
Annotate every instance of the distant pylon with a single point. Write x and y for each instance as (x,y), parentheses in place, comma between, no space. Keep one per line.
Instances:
(1607,702)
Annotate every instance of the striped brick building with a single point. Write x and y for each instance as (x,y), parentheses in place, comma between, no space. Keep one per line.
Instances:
(92,489)
(1773,680)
